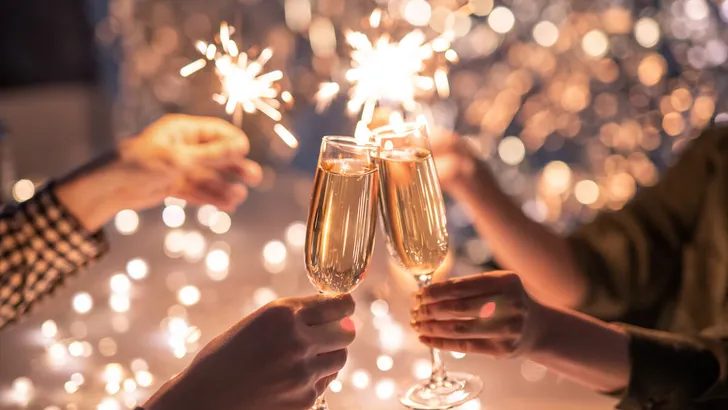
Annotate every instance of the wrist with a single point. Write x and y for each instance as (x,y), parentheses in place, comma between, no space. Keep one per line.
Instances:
(585,349)
(92,192)
(475,184)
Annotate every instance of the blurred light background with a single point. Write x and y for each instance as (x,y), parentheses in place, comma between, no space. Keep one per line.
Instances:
(576,105)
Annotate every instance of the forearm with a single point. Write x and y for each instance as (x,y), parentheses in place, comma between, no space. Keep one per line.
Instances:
(542,259)
(590,352)
(92,193)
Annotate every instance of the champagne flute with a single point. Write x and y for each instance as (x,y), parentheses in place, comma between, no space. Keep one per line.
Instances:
(413,216)
(342,218)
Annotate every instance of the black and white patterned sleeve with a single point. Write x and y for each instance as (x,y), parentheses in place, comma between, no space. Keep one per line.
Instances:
(41,244)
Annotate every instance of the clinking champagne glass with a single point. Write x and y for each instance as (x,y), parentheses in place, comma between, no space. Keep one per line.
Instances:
(413,217)
(342,218)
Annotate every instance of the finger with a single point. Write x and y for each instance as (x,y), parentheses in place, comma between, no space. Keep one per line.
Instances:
(324,383)
(207,130)
(319,309)
(331,336)
(501,348)
(470,286)
(248,171)
(510,327)
(216,184)
(327,364)
(217,153)
(199,197)
(469,308)
(442,141)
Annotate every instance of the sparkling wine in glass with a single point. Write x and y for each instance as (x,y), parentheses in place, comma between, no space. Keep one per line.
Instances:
(413,217)
(342,218)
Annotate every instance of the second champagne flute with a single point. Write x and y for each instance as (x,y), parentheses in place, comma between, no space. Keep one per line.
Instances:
(342,218)
(413,217)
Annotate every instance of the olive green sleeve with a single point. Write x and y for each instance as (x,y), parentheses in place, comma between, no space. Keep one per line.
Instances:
(633,257)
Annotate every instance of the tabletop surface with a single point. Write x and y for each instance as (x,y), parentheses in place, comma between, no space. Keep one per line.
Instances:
(107,337)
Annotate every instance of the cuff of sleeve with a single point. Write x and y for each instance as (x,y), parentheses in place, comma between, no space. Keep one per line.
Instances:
(669,371)
(61,232)
(55,246)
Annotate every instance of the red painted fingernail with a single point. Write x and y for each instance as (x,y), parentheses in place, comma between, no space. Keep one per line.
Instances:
(488,310)
(347,324)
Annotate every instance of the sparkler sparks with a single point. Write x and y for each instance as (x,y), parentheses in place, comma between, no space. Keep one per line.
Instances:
(245,88)
(397,72)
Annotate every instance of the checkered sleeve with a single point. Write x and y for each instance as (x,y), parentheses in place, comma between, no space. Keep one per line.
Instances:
(41,244)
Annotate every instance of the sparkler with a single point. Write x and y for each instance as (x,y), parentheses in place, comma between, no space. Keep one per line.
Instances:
(245,88)
(397,72)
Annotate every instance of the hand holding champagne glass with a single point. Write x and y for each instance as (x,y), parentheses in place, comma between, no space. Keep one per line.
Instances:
(413,216)
(342,218)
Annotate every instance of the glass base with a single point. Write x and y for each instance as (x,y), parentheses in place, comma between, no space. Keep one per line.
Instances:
(456,389)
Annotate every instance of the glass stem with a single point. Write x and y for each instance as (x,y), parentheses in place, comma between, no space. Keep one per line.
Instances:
(321,403)
(439,373)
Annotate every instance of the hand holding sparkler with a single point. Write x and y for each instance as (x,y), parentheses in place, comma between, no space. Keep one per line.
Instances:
(192,158)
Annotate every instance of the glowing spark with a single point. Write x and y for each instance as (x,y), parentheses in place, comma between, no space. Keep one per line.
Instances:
(325,94)
(192,67)
(376,18)
(245,87)
(398,72)
(286,135)
(441,82)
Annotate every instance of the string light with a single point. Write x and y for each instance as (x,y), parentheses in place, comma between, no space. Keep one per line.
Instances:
(535,80)
(49,329)
(23,190)
(126,222)
(82,303)
(137,269)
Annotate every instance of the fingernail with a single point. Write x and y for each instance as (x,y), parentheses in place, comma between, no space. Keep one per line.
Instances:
(347,324)
(415,324)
